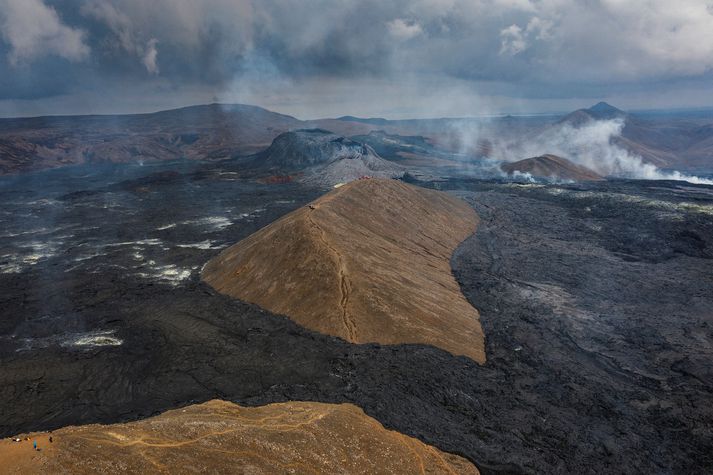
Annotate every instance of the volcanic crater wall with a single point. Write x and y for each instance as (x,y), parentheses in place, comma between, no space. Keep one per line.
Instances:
(368,262)
(322,158)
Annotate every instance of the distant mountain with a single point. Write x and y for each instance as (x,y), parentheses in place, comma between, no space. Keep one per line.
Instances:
(204,132)
(220,131)
(602,110)
(599,111)
(665,141)
(372,120)
(214,131)
(551,167)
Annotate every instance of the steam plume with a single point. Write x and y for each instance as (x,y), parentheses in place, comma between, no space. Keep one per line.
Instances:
(593,146)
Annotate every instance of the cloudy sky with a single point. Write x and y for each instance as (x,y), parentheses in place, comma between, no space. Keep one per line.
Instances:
(389,58)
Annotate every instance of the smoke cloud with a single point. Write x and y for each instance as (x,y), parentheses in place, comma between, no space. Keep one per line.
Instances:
(592,145)
(150,56)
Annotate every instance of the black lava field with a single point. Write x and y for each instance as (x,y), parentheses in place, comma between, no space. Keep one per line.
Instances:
(596,302)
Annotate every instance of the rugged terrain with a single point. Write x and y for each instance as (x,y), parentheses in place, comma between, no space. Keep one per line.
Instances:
(207,132)
(682,141)
(321,158)
(594,299)
(367,262)
(551,167)
(222,437)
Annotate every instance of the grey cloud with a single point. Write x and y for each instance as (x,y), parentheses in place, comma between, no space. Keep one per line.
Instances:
(523,49)
(402,29)
(33,30)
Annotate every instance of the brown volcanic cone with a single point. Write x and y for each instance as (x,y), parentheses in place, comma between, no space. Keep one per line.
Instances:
(552,166)
(221,437)
(368,262)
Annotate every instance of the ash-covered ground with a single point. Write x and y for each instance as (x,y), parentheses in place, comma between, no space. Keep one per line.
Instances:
(596,301)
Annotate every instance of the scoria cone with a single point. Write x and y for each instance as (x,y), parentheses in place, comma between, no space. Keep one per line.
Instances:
(368,262)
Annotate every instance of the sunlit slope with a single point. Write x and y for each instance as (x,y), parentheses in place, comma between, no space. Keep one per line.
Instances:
(552,166)
(368,262)
(222,437)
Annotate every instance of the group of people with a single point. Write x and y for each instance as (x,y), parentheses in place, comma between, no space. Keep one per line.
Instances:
(34,442)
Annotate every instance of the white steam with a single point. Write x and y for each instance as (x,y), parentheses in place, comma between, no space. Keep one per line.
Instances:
(151,56)
(593,145)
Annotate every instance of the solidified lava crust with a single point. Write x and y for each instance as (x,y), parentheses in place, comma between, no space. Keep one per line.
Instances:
(594,299)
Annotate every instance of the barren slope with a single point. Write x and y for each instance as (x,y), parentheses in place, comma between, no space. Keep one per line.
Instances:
(552,166)
(368,262)
(222,437)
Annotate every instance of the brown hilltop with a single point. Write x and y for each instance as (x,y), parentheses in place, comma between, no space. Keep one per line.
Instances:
(552,166)
(222,437)
(367,262)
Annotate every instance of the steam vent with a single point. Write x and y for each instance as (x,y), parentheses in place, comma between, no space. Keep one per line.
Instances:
(368,262)
(222,437)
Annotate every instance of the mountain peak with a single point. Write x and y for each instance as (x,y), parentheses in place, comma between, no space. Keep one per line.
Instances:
(602,109)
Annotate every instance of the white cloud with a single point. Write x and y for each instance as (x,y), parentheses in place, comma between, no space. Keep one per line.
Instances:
(539,28)
(33,29)
(520,52)
(403,29)
(515,40)
(512,40)
(150,56)
(623,40)
(594,41)
(674,37)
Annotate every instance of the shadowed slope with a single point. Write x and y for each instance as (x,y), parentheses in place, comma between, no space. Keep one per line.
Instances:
(368,262)
(222,437)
